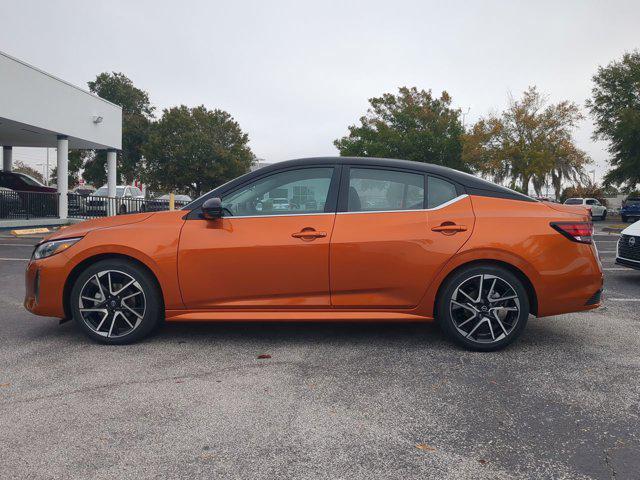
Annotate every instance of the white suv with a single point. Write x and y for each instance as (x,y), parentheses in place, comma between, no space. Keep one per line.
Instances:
(592,204)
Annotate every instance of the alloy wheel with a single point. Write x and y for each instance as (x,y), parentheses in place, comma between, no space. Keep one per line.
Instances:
(485,308)
(112,303)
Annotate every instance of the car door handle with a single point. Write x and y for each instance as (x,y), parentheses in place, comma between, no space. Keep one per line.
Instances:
(309,234)
(449,228)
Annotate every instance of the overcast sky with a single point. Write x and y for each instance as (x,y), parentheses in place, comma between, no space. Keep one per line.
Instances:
(295,74)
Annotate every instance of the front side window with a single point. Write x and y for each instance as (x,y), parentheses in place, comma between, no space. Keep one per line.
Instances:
(384,190)
(573,201)
(286,193)
(439,191)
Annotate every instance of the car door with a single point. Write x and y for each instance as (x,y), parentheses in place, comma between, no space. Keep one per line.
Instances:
(261,253)
(393,232)
(594,206)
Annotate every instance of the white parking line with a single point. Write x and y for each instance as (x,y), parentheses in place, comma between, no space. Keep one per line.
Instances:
(604,251)
(14,259)
(615,269)
(622,299)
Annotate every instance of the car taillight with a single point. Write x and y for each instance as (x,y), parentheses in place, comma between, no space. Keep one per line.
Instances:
(575,231)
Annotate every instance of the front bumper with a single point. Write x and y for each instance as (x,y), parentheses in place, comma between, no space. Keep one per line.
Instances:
(44,286)
(628,263)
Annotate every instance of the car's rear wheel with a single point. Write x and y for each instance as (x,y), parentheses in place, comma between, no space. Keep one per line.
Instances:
(604,216)
(624,219)
(483,307)
(123,209)
(115,301)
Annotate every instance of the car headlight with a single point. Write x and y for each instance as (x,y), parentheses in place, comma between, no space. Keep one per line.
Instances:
(47,249)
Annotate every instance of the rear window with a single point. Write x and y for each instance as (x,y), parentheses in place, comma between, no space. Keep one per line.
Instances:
(633,201)
(573,201)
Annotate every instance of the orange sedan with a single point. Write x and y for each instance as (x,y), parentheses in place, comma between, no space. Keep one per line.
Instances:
(326,239)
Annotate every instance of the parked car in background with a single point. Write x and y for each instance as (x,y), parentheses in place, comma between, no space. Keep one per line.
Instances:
(628,251)
(77,200)
(546,199)
(596,209)
(161,202)
(128,199)
(435,244)
(36,199)
(10,204)
(630,210)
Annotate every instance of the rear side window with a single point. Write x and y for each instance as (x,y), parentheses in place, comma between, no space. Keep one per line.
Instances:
(375,190)
(439,191)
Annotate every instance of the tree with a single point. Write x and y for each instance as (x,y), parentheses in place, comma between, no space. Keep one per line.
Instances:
(411,125)
(529,141)
(615,107)
(194,150)
(21,167)
(137,114)
(76,161)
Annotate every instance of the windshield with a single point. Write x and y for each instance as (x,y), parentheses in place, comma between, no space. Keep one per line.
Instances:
(103,192)
(573,201)
(28,180)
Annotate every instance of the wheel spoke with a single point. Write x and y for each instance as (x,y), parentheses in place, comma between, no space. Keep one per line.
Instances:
(466,295)
(126,319)
(99,286)
(508,297)
(493,285)
(495,315)
(462,305)
(132,310)
(109,282)
(106,314)
(113,322)
(467,320)
(125,287)
(493,337)
(132,295)
(480,289)
(480,322)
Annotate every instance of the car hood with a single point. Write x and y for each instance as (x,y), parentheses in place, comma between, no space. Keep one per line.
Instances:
(82,228)
(633,229)
(632,206)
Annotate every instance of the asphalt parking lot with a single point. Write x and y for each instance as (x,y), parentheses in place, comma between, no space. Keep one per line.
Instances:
(357,401)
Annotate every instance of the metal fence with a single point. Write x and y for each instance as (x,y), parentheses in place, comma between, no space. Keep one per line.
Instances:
(92,206)
(26,205)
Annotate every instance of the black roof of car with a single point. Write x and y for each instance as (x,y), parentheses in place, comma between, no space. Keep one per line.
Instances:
(472,183)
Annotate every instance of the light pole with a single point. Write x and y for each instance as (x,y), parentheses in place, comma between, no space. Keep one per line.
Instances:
(593,173)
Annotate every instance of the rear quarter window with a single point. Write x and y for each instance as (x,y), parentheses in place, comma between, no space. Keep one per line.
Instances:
(439,191)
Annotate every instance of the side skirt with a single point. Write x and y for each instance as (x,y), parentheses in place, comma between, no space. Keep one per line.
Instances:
(290,316)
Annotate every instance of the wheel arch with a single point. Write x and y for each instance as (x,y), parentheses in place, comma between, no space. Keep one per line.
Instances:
(87,262)
(526,282)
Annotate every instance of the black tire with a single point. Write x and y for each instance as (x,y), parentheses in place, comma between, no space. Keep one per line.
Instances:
(149,319)
(604,216)
(122,210)
(510,331)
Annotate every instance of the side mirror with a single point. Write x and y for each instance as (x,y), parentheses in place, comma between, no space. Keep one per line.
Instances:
(212,209)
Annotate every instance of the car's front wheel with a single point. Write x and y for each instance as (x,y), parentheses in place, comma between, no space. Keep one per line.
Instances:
(483,307)
(115,301)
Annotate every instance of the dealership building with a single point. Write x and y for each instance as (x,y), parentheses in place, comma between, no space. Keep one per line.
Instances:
(40,110)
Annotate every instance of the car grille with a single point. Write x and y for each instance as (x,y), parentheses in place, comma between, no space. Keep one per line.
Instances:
(629,247)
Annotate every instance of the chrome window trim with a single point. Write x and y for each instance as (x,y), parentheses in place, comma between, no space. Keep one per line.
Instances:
(276,215)
(445,204)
